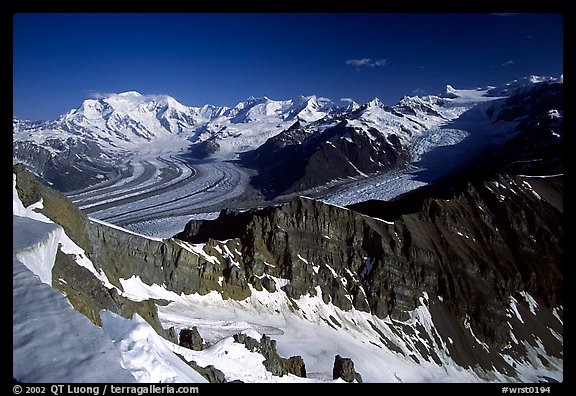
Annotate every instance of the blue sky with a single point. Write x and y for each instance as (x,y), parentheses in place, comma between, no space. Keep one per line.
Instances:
(222,59)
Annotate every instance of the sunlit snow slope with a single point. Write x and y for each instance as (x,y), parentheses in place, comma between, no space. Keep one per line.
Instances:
(51,341)
(54,343)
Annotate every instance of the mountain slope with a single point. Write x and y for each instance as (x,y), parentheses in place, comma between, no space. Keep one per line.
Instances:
(298,160)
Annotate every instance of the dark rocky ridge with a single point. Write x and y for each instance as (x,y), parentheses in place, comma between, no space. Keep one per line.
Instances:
(537,146)
(56,206)
(191,339)
(88,296)
(211,373)
(489,240)
(80,165)
(296,159)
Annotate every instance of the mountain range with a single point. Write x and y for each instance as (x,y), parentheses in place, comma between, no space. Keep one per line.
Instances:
(293,137)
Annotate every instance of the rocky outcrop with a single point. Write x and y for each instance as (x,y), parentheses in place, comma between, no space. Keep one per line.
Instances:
(179,266)
(204,149)
(88,296)
(55,205)
(211,373)
(273,362)
(344,369)
(191,339)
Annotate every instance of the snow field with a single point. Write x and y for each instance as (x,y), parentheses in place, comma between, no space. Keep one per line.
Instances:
(144,353)
(315,331)
(54,343)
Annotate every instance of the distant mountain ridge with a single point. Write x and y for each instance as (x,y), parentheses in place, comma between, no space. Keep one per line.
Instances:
(377,138)
(88,144)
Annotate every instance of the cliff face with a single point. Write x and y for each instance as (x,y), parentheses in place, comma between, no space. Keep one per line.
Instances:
(489,241)
(178,266)
(473,250)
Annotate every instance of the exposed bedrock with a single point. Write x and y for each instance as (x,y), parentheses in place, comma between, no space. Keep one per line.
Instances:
(486,242)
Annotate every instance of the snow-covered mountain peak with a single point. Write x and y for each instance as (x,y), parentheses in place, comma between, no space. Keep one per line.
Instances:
(122,119)
(133,94)
(375,103)
(536,79)
(124,104)
(254,110)
(420,104)
(211,112)
(89,109)
(450,92)
(308,108)
(532,79)
(350,104)
(466,97)
(253,101)
(129,101)
(124,99)
(118,120)
(320,101)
